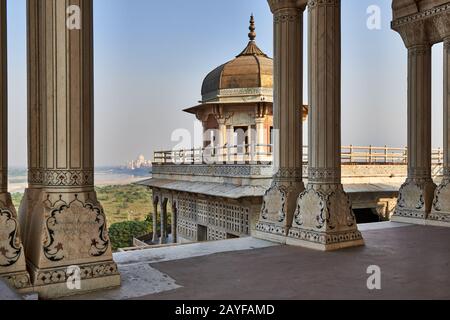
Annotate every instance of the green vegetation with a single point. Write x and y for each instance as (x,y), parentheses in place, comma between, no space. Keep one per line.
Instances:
(125,203)
(122,233)
(16,199)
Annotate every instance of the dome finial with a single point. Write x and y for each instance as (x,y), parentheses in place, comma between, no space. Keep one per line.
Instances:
(252,34)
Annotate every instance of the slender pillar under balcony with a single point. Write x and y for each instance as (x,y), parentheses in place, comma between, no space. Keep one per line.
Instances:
(155,220)
(12,255)
(68,226)
(174,222)
(417,193)
(34,119)
(163,239)
(223,139)
(324,218)
(279,201)
(260,121)
(441,206)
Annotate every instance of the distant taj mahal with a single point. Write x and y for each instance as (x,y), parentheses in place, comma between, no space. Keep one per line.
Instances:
(139,163)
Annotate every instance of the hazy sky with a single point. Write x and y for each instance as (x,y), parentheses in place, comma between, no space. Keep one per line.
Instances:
(151,58)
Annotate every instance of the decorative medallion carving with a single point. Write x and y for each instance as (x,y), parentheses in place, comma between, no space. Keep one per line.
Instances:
(75,231)
(10,247)
(411,196)
(442,197)
(324,209)
(415,198)
(275,204)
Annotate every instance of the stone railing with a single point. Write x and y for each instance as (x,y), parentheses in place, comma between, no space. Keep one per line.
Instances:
(263,154)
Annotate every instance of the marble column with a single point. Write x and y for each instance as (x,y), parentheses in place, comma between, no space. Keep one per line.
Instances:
(260,121)
(34,119)
(441,205)
(12,255)
(279,201)
(324,218)
(221,151)
(155,220)
(68,225)
(163,239)
(417,193)
(222,118)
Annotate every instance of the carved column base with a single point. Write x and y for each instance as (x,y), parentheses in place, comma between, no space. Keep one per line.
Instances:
(415,201)
(440,213)
(52,283)
(12,255)
(278,210)
(19,281)
(324,220)
(29,200)
(69,230)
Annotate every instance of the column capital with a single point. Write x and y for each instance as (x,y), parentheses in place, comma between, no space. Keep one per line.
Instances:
(319,3)
(221,116)
(414,34)
(442,25)
(447,43)
(429,26)
(419,50)
(202,116)
(261,111)
(277,5)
